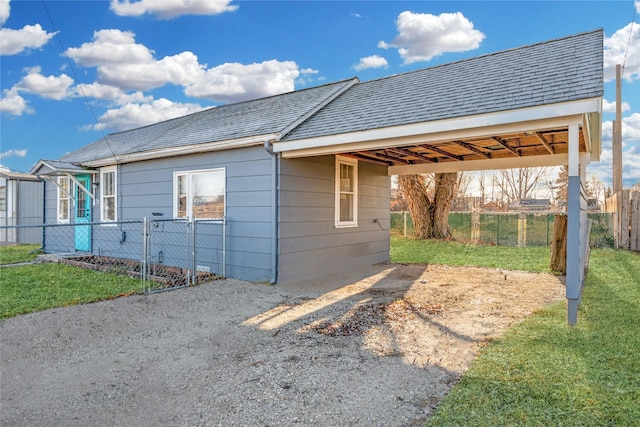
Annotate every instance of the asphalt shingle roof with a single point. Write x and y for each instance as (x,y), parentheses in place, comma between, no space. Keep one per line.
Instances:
(251,118)
(565,69)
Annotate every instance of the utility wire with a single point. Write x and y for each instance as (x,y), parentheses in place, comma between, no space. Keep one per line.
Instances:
(75,77)
(633,19)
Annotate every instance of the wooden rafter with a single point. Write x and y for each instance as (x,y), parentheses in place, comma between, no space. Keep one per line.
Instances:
(472,149)
(506,145)
(369,159)
(410,153)
(544,142)
(382,157)
(440,151)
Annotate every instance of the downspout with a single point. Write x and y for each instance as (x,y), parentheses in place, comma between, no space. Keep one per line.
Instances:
(268,145)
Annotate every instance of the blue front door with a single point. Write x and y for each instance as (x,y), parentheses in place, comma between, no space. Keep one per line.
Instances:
(83,214)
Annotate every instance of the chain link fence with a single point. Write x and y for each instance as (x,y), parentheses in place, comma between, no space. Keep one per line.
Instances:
(510,229)
(162,254)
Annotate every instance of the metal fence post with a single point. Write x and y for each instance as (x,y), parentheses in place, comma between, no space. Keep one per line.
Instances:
(145,253)
(224,246)
(194,275)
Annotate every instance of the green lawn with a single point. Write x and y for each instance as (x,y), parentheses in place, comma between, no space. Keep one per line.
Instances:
(407,250)
(543,372)
(18,253)
(29,288)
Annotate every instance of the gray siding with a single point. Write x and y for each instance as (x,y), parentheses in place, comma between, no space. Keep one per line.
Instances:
(310,245)
(147,187)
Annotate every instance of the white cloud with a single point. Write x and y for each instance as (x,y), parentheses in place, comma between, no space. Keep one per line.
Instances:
(51,87)
(13,153)
(422,36)
(12,103)
(610,107)
(630,152)
(373,61)
(131,116)
(124,64)
(29,37)
(617,47)
(5,10)
(182,69)
(233,82)
(167,9)
(111,47)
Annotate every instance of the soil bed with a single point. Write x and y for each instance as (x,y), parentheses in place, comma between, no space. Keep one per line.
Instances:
(167,276)
(380,348)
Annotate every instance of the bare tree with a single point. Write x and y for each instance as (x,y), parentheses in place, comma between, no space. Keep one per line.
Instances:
(429,200)
(518,184)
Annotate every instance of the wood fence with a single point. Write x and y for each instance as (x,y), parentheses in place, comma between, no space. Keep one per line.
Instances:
(625,205)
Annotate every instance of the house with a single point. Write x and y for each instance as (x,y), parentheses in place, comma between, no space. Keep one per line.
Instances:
(21,200)
(303,177)
(531,205)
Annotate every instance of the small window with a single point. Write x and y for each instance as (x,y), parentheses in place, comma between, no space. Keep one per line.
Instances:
(64,199)
(108,195)
(199,194)
(346,192)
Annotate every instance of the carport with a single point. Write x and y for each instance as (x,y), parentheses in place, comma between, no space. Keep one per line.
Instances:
(533,106)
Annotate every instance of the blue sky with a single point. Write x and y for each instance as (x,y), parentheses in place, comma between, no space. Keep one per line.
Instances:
(73,69)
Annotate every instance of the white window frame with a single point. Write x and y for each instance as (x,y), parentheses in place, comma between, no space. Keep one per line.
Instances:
(189,207)
(61,195)
(103,172)
(339,192)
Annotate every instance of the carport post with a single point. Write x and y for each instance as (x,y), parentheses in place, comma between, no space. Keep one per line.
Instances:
(573,228)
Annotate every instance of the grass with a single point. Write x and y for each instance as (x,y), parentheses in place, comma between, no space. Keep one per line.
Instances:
(18,253)
(406,250)
(543,372)
(30,288)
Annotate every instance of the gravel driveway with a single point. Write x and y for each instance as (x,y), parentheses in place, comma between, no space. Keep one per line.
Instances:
(383,350)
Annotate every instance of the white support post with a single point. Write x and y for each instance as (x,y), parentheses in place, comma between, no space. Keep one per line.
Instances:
(573,282)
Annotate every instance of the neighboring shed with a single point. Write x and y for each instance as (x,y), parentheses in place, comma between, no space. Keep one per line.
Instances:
(302,178)
(21,199)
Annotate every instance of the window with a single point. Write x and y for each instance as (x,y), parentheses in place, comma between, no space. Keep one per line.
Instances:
(199,194)
(108,195)
(346,192)
(64,199)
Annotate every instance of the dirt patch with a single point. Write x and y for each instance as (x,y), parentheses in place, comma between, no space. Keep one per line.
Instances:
(379,348)
(164,275)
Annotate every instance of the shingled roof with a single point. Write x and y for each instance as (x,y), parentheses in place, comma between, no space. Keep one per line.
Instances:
(549,73)
(560,70)
(264,116)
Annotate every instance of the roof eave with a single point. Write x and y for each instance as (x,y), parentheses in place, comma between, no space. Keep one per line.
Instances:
(183,150)
(530,119)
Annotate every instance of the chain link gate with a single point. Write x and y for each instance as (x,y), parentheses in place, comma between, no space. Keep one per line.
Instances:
(180,253)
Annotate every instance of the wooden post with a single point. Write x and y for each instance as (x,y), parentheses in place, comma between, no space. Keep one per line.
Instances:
(559,244)
(616,143)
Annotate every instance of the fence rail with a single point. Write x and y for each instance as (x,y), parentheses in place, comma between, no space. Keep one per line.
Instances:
(163,254)
(510,229)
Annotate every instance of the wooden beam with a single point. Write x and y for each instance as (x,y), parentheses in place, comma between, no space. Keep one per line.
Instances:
(473,149)
(506,145)
(410,153)
(368,159)
(544,142)
(441,151)
(386,156)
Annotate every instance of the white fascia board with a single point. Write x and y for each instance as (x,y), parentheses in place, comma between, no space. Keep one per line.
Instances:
(484,164)
(525,119)
(183,150)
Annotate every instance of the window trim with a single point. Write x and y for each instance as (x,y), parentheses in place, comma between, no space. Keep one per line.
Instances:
(189,174)
(340,160)
(59,193)
(103,172)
